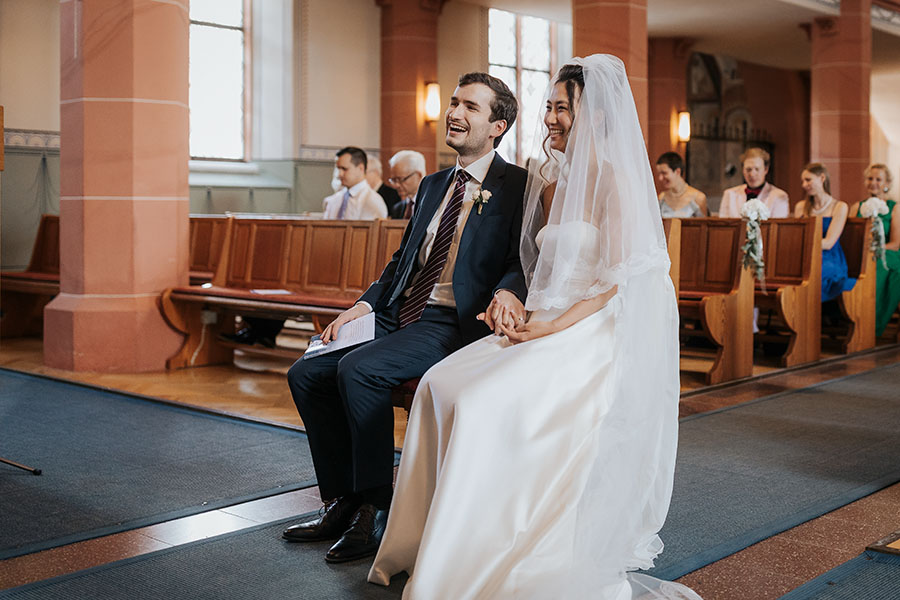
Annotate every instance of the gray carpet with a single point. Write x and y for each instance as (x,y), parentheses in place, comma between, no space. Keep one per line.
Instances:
(743,474)
(748,472)
(113,462)
(247,565)
(869,576)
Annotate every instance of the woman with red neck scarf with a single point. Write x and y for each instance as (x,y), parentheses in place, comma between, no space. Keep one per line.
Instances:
(755,167)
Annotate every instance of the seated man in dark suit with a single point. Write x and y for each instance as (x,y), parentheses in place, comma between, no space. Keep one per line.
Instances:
(455,261)
(407,171)
(374,174)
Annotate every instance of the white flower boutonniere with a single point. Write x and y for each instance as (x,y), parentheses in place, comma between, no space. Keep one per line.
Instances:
(480,197)
(872,209)
(755,211)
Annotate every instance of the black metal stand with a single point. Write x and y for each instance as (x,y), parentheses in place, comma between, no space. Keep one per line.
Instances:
(23,467)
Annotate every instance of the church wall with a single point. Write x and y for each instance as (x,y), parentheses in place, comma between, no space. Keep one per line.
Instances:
(29,93)
(462,47)
(778,99)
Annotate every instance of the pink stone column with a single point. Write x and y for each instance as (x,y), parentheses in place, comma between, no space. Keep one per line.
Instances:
(839,97)
(617,27)
(668,64)
(408,62)
(124,211)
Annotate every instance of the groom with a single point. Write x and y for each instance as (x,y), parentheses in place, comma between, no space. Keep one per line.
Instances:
(459,257)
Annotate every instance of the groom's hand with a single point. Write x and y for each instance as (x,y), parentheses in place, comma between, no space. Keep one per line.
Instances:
(504,311)
(348,315)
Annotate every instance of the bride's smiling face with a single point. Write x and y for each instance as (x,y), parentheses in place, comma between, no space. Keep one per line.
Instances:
(559,117)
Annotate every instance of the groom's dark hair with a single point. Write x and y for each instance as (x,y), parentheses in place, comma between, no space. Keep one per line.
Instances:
(504,105)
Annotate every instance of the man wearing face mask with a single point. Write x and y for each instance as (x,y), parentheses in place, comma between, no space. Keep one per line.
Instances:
(755,165)
(459,258)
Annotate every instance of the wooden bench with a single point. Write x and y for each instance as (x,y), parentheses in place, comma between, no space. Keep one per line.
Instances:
(23,294)
(672,229)
(792,251)
(312,268)
(208,233)
(858,305)
(717,291)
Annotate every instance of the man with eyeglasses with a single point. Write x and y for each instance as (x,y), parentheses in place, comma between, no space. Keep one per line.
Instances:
(407,171)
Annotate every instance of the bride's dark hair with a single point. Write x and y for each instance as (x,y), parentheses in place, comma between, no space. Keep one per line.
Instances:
(572,76)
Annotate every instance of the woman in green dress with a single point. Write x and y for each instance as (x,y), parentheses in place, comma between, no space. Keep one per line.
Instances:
(878,183)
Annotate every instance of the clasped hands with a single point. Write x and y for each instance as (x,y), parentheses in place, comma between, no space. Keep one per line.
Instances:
(506,316)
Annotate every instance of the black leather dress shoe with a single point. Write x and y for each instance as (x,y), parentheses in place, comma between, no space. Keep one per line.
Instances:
(333,520)
(362,537)
(243,336)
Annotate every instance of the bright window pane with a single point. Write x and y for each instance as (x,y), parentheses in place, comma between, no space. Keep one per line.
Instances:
(217,92)
(536,50)
(501,37)
(507,75)
(534,86)
(221,12)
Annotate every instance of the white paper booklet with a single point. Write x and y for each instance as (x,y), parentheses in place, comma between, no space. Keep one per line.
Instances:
(355,332)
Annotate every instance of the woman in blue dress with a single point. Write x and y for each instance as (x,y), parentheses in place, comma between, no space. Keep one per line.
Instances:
(820,203)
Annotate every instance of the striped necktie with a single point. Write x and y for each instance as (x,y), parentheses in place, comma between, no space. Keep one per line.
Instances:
(414,304)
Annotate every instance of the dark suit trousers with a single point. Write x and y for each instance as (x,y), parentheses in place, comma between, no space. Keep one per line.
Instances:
(344,397)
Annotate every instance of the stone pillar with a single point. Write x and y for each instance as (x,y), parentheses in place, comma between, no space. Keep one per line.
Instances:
(123,183)
(839,96)
(617,27)
(408,62)
(668,64)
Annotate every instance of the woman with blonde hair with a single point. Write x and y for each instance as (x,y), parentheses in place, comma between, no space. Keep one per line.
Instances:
(820,203)
(878,184)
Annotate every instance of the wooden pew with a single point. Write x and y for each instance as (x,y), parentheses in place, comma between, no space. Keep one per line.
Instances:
(207,233)
(672,229)
(24,294)
(858,305)
(312,268)
(718,292)
(793,288)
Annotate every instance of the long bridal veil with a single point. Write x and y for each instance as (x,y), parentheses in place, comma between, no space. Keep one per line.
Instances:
(603,180)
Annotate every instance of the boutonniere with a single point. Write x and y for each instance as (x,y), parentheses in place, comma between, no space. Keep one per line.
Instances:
(480,197)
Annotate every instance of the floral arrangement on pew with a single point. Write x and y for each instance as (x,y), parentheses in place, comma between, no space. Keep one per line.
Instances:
(755,211)
(871,209)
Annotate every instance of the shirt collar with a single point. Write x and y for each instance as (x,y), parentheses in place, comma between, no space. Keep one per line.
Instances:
(478,170)
(356,189)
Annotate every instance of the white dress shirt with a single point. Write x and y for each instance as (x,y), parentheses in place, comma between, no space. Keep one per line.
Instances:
(734,198)
(364,205)
(442,294)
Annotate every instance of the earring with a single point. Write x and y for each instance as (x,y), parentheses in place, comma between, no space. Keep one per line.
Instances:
(886,189)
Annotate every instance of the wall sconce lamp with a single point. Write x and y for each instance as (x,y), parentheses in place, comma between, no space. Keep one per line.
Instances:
(432,101)
(684,126)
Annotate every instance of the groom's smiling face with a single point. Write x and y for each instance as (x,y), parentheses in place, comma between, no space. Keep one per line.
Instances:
(470,130)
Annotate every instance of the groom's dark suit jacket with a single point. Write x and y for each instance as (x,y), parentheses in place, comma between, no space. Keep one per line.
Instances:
(488,255)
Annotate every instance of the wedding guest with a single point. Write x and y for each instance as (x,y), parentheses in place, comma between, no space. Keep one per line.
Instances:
(407,171)
(355,200)
(755,167)
(455,261)
(374,175)
(820,203)
(678,199)
(539,463)
(878,184)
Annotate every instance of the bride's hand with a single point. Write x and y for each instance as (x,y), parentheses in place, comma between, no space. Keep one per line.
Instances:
(530,331)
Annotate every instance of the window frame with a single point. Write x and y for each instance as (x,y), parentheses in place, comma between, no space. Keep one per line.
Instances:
(246,96)
(522,154)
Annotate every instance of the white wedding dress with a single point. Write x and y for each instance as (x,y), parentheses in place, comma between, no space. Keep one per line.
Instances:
(501,442)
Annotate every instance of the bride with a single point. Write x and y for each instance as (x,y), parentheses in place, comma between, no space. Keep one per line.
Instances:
(539,463)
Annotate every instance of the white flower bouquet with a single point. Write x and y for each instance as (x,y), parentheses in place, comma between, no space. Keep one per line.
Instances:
(755,211)
(872,209)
